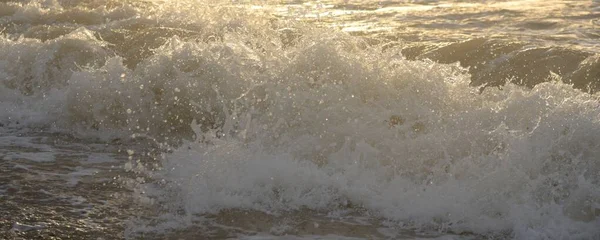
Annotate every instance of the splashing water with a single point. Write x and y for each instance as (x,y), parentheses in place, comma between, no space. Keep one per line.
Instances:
(260,126)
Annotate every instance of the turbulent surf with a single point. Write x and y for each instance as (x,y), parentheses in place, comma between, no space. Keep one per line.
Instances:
(306,120)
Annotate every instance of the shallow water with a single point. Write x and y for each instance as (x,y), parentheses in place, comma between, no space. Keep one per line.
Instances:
(299,119)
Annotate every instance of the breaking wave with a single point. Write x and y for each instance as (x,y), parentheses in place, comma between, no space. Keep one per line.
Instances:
(276,119)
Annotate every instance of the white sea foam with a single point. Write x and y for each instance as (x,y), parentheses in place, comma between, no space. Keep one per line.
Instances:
(316,134)
(277,120)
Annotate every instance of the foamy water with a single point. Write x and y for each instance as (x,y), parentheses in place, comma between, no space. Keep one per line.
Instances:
(304,120)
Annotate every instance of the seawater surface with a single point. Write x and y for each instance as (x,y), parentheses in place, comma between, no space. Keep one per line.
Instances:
(189,119)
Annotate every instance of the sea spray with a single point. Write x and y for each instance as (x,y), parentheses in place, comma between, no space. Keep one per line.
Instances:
(269,117)
(506,160)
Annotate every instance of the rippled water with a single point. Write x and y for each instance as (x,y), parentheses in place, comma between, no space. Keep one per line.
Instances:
(416,119)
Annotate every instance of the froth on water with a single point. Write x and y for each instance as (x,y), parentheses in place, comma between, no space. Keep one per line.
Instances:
(244,113)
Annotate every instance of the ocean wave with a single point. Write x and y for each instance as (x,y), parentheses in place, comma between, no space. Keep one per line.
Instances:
(275,116)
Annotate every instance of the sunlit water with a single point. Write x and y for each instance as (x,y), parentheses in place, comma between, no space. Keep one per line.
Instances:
(416,119)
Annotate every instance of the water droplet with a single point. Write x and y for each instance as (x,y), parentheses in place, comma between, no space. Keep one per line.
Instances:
(128,166)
